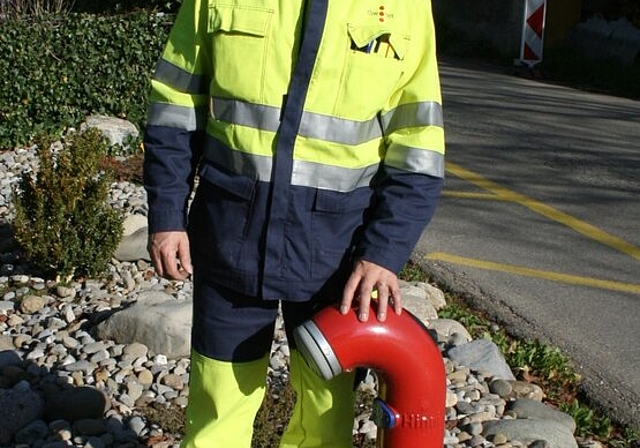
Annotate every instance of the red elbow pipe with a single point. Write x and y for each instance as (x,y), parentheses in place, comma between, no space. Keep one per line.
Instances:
(410,411)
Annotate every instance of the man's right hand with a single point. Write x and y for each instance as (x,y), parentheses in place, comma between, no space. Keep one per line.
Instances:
(170,254)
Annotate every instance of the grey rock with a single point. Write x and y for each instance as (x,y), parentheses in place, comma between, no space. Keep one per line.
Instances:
(81,366)
(136,350)
(522,389)
(76,404)
(529,431)
(446,328)
(157,320)
(133,223)
(6,343)
(99,357)
(65,292)
(532,409)
(115,130)
(6,305)
(173,381)
(18,408)
(133,247)
(433,295)
(94,347)
(137,425)
(481,355)
(466,408)
(32,304)
(420,308)
(501,387)
(134,390)
(90,427)
(416,300)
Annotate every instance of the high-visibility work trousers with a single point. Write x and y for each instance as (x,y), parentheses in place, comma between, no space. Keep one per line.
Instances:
(227,383)
(224,398)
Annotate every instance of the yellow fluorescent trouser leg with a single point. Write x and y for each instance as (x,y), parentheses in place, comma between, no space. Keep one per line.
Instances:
(323,414)
(224,398)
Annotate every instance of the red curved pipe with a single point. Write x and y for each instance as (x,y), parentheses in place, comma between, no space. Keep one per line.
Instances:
(411,365)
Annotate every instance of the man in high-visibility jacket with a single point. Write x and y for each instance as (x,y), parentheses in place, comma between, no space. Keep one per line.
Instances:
(315,132)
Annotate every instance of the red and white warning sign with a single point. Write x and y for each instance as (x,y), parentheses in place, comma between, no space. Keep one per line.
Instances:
(535,12)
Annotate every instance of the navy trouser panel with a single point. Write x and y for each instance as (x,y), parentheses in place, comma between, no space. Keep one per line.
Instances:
(234,327)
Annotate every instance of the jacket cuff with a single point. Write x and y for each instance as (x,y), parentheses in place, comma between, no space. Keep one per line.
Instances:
(393,262)
(173,220)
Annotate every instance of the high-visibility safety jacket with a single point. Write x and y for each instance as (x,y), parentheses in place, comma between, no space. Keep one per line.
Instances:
(316,132)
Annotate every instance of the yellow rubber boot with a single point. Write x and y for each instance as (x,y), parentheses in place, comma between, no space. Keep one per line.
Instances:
(224,398)
(323,414)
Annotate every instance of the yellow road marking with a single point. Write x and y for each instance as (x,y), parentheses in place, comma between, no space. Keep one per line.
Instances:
(467,195)
(576,224)
(528,272)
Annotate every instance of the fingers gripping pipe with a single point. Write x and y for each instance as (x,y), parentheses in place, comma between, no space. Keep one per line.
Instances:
(402,351)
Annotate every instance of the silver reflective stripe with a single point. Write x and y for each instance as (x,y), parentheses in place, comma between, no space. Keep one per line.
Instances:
(326,127)
(427,113)
(415,160)
(334,178)
(317,126)
(180,79)
(339,130)
(250,165)
(181,117)
(305,174)
(266,118)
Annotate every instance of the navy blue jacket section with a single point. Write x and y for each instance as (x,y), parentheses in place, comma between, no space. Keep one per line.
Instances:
(322,231)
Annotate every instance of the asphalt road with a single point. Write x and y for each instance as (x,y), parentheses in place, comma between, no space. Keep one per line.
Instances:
(540,220)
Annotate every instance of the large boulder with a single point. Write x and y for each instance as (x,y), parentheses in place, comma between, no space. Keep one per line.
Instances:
(481,355)
(76,403)
(157,320)
(115,130)
(528,431)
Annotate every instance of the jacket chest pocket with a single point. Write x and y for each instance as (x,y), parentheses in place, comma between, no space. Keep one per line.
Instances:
(373,66)
(239,48)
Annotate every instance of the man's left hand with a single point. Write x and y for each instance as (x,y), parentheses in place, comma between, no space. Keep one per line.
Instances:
(365,278)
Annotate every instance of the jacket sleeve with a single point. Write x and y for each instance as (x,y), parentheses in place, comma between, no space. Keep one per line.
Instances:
(176,118)
(411,175)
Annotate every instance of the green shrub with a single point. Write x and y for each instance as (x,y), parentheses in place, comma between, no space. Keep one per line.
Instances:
(63,221)
(587,421)
(58,71)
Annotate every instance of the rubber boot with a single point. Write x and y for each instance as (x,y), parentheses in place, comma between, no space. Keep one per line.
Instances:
(224,398)
(324,410)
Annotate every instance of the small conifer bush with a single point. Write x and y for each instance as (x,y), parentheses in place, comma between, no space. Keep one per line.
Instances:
(62,219)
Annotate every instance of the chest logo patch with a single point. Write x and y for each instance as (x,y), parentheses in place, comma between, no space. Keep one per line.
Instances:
(382,13)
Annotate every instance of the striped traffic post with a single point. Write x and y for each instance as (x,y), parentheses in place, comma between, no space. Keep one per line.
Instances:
(535,12)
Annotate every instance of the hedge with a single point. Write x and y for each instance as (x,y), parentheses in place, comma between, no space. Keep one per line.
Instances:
(57,71)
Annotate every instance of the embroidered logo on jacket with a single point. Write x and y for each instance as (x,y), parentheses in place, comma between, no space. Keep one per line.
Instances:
(382,13)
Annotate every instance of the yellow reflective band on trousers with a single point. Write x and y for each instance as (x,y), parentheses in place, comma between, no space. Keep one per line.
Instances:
(224,398)
(324,411)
